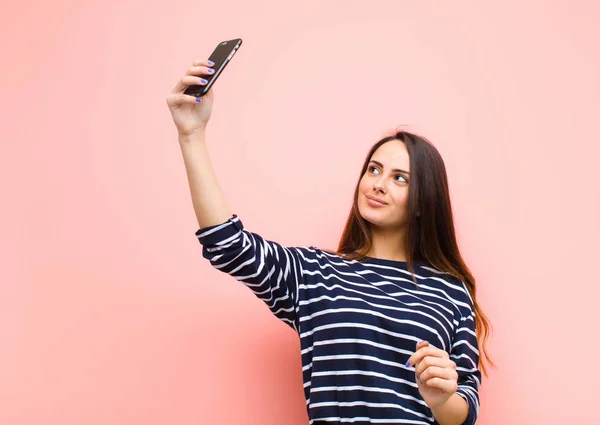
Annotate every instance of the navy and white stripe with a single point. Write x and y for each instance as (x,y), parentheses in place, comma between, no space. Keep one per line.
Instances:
(358,324)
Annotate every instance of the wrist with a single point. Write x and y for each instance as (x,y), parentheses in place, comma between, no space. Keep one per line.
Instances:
(441,405)
(452,411)
(197,135)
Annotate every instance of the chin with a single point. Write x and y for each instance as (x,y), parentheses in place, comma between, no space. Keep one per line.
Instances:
(375,221)
(377,217)
(371,216)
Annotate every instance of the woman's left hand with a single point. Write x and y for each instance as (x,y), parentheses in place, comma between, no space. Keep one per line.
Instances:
(436,374)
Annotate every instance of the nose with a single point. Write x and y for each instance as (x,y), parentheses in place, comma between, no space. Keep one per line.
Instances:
(379,186)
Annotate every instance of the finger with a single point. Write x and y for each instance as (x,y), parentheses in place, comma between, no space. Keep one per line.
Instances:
(437,372)
(176,99)
(430,361)
(187,81)
(203,62)
(426,351)
(194,71)
(421,345)
(447,386)
(200,70)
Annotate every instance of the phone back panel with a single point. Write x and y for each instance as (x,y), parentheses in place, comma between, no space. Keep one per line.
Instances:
(221,57)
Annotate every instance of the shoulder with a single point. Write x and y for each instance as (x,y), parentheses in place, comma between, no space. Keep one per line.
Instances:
(328,260)
(321,257)
(454,288)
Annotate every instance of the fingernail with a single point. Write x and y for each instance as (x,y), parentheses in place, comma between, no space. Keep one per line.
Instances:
(210,63)
(198,99)
(407,363)
(203,81)
(210,70)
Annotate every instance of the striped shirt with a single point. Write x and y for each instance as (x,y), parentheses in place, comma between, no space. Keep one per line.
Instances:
(358,323)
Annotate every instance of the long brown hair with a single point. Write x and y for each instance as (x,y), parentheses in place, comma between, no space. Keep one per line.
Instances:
(430,235)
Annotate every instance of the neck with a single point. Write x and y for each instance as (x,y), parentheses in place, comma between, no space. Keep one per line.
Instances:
(388,244)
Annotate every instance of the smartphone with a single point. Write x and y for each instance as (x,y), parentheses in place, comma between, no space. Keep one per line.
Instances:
(221,57)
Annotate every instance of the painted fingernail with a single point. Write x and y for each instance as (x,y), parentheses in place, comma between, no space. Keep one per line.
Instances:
(210,70)
(203,81)
(407,363)
(210,63)
(198,99)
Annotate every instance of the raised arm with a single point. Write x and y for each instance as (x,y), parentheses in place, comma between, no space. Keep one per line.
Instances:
(191,116)
(271,271)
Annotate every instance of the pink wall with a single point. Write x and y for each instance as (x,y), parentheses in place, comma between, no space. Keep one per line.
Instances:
(108,313)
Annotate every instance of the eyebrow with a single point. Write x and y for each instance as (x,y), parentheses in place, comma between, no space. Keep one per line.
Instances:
(397,170)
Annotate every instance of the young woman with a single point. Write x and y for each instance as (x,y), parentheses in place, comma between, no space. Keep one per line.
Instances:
(389,325)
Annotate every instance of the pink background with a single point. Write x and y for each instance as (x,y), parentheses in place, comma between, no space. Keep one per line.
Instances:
(109,314)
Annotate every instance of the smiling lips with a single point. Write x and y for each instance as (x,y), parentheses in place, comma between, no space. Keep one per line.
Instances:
(375,202)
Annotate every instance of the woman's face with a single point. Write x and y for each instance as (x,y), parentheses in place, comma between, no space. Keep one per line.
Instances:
(383,189)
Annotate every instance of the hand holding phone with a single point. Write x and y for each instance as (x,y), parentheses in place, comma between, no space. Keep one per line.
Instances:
(191,99)
(221,56)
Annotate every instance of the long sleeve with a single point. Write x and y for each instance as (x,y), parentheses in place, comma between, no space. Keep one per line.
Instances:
(271,271)
(465,353)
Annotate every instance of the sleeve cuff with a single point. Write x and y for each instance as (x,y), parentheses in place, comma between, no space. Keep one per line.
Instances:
(212,235)
(471,403)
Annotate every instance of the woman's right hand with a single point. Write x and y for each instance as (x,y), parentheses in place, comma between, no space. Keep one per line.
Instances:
(189,114)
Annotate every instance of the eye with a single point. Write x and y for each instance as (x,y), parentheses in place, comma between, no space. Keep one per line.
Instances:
(372,169)
(401,179)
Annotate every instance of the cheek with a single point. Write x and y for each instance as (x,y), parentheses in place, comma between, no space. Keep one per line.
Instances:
(401,199)
(362,189)
(362,185)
